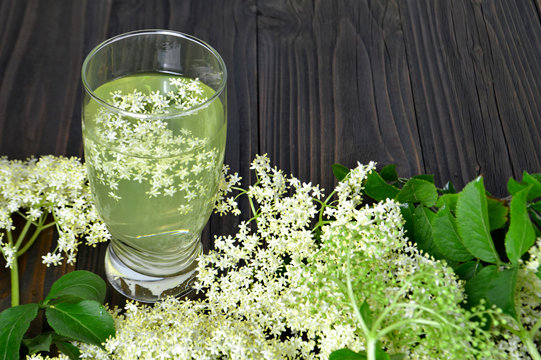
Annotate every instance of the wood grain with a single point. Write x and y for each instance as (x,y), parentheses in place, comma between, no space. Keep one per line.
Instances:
(449,87)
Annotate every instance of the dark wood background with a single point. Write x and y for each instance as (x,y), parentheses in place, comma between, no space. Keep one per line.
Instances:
(448,87)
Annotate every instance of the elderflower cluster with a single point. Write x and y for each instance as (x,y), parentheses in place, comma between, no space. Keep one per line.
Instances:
(268,293)
(49,191)
(225,204)
(414,300)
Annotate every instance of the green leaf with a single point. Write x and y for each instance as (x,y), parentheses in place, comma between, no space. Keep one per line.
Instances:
(366,314)
(82,284)
(478,286)
(535,191)
(418,191)
(380,353)
(501,291)
(446,238)
(85,321)
(425,177)
(15,321)
(473,223)
(514,186)
(468,270)
(68,349)
(497,213)
(407,211)
(536,206)
(422,220)
(448,200)
(39,343)
(497,287)
(346,354)
(521,235)
(376,188)
(339,171)
(388,173)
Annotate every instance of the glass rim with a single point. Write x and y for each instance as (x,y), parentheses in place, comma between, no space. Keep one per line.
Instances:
(129,34)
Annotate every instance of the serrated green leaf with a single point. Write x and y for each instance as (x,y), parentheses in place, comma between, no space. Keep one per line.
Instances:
(497,213)
(388,173)
(468,270)
(15,321)
(376,188)
(447,200)
(422,220)
(535,191)
(501,291)
(346,354)
(446,237)
(418,191)
(521,235)
(82,284)
(68,349)
(477,287)
(39,343)
(339,171)
(85,321)
(473,223)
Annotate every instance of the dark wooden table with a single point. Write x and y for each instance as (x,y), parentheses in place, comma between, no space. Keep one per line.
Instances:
(449,87)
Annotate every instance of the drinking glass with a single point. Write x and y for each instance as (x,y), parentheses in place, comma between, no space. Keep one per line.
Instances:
(154,131)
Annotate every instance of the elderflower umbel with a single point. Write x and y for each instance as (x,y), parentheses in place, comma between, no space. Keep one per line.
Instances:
(38,189)
(272,290)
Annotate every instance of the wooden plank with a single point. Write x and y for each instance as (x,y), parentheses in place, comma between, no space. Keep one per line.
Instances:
(334,87)
(474,98)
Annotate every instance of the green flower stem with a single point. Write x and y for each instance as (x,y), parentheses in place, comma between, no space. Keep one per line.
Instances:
(535,328)
(14,271)
(402,323)
(22,235)
(371,348)
(371,339)
(254,212)
(34,237)
(527,339)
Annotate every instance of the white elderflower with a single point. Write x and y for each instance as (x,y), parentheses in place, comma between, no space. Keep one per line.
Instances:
(9,253)
(38,188)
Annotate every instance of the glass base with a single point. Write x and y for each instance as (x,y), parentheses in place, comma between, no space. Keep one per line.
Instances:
(146,288)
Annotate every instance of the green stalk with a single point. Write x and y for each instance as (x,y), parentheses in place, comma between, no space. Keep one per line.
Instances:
(371,349)
(34,237)
(14,271)
(530,345)
(371,339)
(22,235)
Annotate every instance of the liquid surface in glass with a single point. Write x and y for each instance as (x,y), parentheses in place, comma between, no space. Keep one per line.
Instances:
(154,178)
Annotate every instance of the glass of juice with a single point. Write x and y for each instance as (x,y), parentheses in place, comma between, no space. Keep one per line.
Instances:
(154,131)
